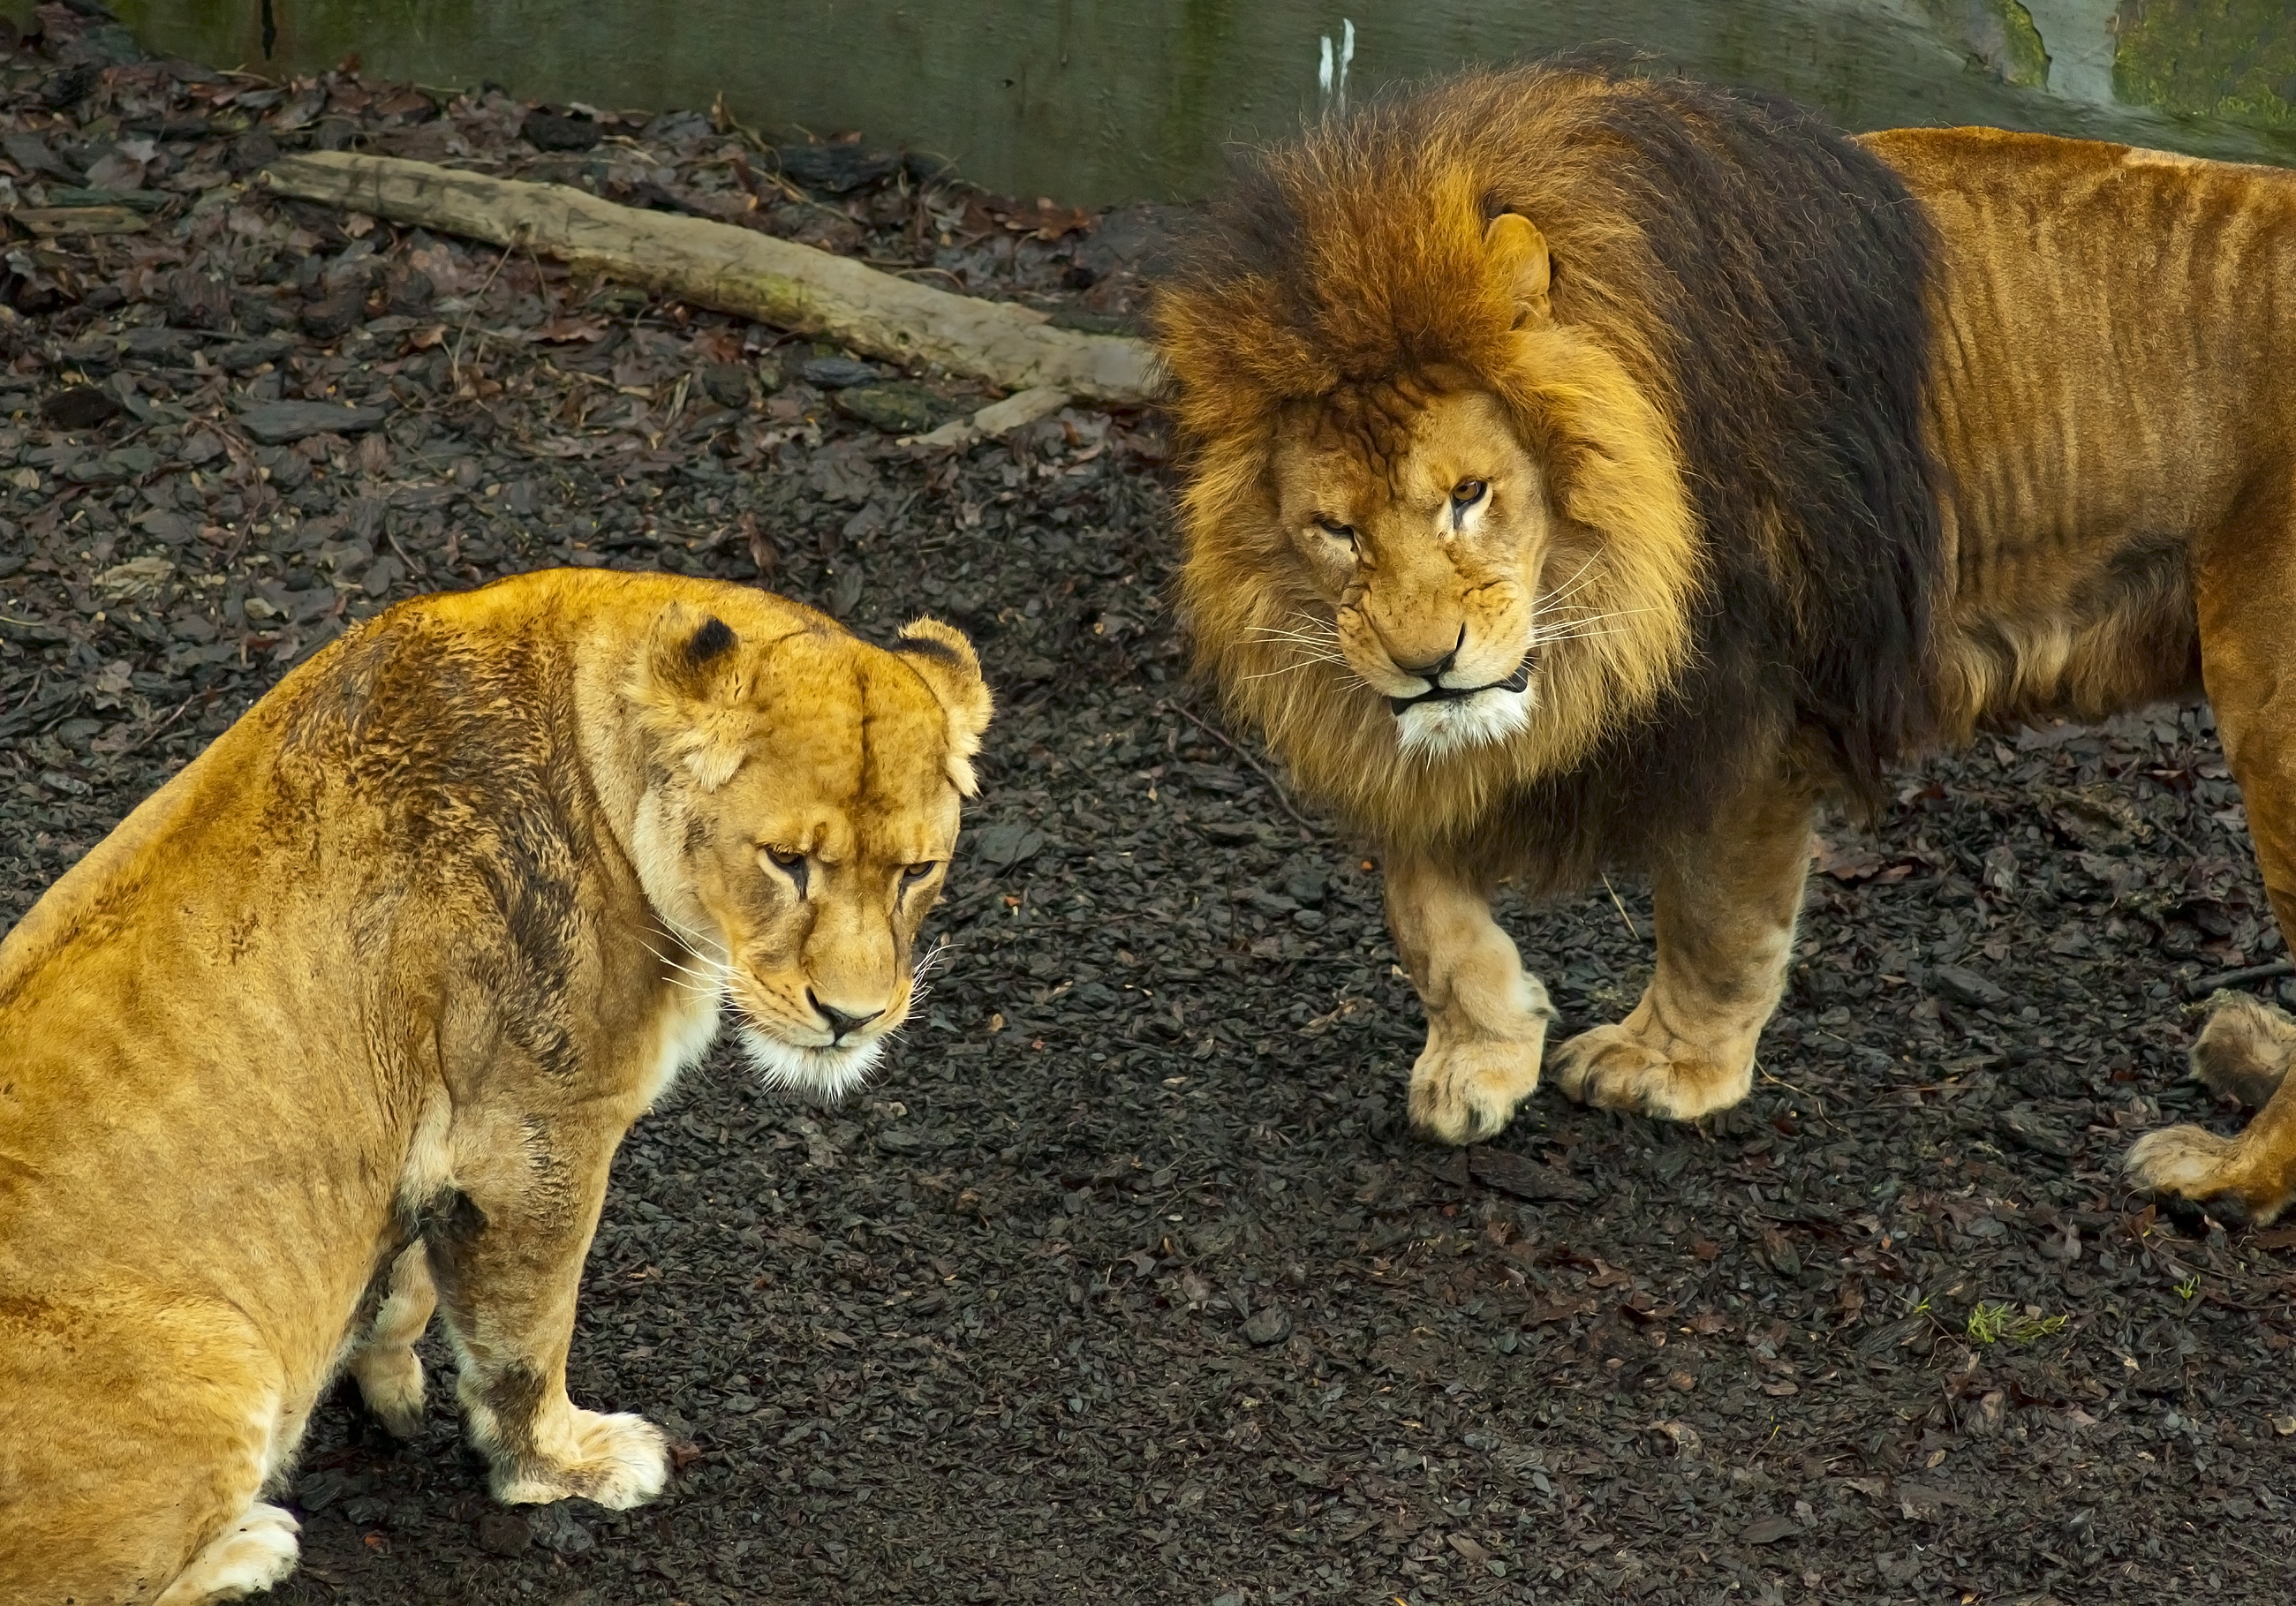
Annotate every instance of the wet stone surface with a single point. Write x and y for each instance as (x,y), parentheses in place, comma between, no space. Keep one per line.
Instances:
(1124,1280)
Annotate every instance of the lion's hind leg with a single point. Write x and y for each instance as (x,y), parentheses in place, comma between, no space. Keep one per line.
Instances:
(2244,1050)
(2242,584)
(388,1371)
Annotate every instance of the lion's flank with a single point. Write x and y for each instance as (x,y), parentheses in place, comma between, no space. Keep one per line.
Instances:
(1733,393)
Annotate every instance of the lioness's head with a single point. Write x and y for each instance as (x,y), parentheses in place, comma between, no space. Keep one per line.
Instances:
(798,822)
(1437,536)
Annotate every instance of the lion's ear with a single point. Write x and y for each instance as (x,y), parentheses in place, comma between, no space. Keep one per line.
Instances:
(946,663)
(686,694)
(1519,260)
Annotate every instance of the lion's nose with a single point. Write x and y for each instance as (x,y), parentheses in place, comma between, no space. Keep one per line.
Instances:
(841,1024)
(1432,671)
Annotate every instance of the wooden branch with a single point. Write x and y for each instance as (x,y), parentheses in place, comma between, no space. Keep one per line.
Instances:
(734,270)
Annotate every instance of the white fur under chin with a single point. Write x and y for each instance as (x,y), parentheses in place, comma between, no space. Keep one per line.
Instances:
(827,1074)
(1429,730)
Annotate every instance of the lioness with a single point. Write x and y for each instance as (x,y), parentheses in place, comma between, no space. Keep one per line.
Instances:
(1588,470)
(381,978)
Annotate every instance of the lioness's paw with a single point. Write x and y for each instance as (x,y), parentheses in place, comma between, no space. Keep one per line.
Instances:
(247,1558)
(1465,1091)
(390,1382)
(1617,1067)
(2244,1049)
(618,1461)
(2191,1170)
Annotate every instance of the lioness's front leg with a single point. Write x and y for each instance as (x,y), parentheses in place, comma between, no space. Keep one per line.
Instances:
(1487,1018)
(1726,902)
(506,1256)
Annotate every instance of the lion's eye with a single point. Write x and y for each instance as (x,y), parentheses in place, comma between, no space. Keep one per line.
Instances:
(1337,531)
(1467,493)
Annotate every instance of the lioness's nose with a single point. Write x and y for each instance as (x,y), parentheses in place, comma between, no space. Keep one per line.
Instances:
(841,1024)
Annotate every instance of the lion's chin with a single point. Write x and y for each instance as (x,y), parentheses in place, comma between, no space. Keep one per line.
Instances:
(1429,730)
(824,1074)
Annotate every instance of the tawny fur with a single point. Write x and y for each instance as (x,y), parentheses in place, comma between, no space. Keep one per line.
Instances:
(361,1002)
(2065,426)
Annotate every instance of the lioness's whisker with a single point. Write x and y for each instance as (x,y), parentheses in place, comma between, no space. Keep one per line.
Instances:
(705,984)
(700,943)
(710,976)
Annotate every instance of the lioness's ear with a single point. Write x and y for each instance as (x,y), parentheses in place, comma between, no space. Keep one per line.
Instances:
(944,661)
(686,694)
(1518,257)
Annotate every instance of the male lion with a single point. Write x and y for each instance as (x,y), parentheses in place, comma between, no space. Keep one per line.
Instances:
(1587,470)
(380,979)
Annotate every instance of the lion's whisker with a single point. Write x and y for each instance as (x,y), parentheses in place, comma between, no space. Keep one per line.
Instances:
(1576,580)
(1576,635)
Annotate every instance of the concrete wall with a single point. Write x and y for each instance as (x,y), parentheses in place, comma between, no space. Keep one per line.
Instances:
(1103,100)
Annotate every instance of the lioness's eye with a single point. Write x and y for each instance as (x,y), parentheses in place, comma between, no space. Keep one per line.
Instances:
(791,865)
(1467,493)
(914,874)
(1337,531)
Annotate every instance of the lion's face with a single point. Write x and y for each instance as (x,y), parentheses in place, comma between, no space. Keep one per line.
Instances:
(803,827)
(1436,549)
(1438,545)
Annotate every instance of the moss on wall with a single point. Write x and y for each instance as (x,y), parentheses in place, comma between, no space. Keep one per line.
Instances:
(2230,58)
(1999,37)
(1108,100)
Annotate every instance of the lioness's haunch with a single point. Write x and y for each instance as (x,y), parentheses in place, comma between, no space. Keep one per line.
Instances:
(1591,470)
(358,1005)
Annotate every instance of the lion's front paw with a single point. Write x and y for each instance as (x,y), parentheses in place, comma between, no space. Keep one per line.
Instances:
(1620,1068)
(618,1461)
(1463,1092)
(2188,1168)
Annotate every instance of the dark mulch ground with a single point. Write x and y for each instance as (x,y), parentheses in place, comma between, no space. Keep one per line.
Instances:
(1125,1281)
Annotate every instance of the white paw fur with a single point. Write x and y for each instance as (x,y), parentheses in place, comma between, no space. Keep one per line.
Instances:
(247,1558)
(618,1461)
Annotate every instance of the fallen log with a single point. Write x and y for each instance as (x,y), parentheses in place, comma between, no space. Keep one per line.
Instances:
(735,270)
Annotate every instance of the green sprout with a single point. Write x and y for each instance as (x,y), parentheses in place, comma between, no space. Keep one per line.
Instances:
(1991,1322)
(2190,1287)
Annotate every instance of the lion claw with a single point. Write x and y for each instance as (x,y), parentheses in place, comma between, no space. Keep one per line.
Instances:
(1465,1092)
(1615,1067)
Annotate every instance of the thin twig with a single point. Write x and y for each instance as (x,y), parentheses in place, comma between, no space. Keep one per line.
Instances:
(2201,986)
(1621,908)
(151,735)
(1229,743)
(454,357)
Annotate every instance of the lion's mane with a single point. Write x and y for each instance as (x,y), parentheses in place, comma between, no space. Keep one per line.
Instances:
(1731,398)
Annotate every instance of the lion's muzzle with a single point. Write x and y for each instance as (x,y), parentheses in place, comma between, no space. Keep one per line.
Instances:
(1517,682)
(1444,719)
